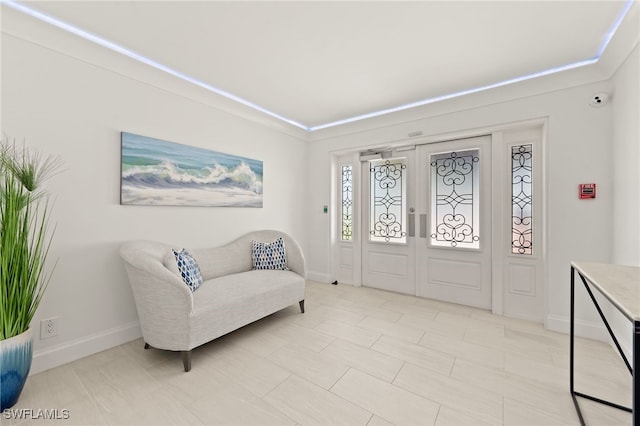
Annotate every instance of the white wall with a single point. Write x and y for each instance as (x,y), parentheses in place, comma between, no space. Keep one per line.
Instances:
(626,160)
(75,109)
(625,214)
(578,151)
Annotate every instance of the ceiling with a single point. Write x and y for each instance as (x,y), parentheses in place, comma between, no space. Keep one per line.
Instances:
(321,62)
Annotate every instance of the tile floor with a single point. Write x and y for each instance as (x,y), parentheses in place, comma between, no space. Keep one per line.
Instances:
(358,356)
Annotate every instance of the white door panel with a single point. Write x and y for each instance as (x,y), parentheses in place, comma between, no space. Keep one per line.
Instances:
(346,257)
(455,273)
(521,280)
(393,265)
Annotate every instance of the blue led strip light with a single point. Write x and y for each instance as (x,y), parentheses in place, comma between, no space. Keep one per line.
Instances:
(143,59)
(453,95)
(140,58)
(607,38)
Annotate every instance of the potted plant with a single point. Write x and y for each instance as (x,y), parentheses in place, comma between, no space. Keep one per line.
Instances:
(24,246)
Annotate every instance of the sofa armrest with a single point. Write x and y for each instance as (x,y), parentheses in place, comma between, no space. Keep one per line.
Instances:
(295,256)
(162,299)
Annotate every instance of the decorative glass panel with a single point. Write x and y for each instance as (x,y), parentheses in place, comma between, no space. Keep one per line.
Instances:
(522,199)
(455,203)
(388,200)
(347,203)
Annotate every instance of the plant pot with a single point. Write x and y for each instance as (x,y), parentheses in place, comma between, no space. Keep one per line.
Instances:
(16,354)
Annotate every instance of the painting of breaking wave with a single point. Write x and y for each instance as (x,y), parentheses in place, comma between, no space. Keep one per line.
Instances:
(157,172)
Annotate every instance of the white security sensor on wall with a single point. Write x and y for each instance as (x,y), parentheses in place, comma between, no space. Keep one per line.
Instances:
(599,99)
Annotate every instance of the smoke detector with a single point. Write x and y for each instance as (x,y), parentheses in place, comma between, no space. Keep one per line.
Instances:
(599,99)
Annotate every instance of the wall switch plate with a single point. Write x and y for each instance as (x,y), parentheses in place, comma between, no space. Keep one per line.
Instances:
(49,327)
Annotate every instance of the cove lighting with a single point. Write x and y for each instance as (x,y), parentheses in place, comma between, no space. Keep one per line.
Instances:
(143,59)
(606,39)
(452,95)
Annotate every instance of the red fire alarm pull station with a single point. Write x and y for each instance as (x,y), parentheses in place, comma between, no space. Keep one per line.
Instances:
(587,190)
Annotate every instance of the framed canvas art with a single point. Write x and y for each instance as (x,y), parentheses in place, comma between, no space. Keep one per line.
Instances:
(161,173)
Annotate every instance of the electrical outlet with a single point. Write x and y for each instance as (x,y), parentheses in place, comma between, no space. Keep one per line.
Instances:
(49,327)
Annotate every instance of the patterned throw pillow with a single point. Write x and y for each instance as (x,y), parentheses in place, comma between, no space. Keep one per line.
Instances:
(269,255)
(188,269)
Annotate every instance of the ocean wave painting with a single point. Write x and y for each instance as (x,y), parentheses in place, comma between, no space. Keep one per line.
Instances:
(157,172)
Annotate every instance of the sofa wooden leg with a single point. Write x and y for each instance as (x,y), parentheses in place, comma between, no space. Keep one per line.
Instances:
(146,346)
(186,360)
(302,306)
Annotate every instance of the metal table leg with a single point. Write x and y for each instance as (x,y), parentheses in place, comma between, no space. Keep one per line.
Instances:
(571,347)
(636,372)
(633,370)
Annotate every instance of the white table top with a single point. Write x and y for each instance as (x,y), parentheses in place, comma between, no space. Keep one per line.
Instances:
(619,284)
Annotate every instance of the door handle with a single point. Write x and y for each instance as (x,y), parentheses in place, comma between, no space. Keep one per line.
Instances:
(412,224)
(423,226)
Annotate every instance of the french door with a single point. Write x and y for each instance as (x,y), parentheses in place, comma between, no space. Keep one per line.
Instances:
(388,251)
(454,244)
(428,230)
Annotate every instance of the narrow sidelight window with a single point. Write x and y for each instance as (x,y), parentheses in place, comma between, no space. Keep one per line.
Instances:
(522,199)
(347,203)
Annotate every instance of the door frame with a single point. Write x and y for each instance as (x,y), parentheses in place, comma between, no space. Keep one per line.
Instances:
(353,275)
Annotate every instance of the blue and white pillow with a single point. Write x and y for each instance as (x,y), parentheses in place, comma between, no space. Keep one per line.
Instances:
(188,269)
(269,255)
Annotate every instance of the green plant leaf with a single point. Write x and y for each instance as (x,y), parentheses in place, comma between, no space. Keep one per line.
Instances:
(24,236)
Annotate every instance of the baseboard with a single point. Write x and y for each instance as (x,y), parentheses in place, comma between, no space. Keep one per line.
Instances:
(593,331)
(319,277)
(66,352)
(589,330)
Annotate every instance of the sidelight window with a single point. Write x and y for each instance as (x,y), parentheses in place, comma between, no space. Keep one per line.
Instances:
(522,199)
(347,203)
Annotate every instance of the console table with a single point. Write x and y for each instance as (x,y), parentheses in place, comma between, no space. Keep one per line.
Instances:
(620,285)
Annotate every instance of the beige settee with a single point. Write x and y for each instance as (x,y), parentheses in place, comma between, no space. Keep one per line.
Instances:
(232,294)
